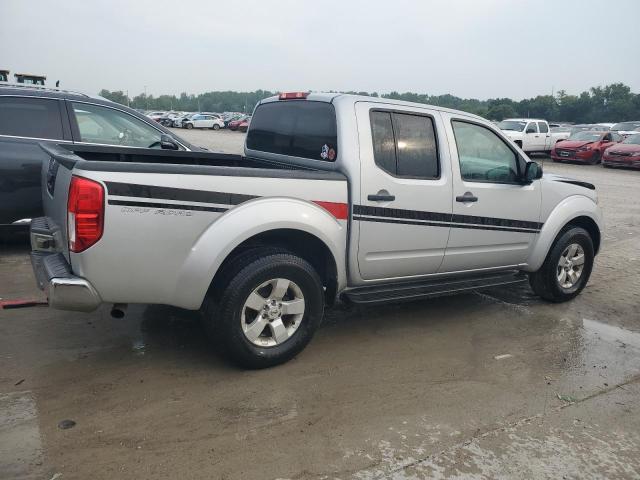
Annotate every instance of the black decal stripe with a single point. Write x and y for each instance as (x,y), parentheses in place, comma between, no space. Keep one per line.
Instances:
(173,206)
(401,213)
(452,225)
(495,222)
(180,194)
(403,222)
(480,222)
(579,183)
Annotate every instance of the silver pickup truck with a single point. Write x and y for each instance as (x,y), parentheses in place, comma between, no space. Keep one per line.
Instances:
(337,196)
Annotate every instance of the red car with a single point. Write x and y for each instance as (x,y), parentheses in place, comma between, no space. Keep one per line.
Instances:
(236,123)
(244,125)
(624,154)
(585,146)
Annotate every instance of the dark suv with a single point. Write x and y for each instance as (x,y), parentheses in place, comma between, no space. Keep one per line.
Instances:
(30,115)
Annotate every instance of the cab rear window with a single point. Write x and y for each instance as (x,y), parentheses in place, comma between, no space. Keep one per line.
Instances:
(296,128)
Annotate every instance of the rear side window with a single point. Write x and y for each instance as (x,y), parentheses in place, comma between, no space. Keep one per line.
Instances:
(404,145)
(544,128)
(297,128)
(30,117)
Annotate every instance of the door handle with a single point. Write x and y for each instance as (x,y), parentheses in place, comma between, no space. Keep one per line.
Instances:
(467,197)
(382,196)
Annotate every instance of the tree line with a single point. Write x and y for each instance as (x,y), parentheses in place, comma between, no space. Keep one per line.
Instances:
(611,103)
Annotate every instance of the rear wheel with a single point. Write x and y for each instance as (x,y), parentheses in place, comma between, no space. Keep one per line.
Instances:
(566,270)
(216,126)
(268,310)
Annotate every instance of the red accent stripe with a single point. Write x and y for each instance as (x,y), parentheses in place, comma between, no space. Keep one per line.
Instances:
(338,210)
(20,303)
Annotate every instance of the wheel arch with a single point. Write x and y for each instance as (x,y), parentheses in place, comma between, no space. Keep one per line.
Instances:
(299,226)
(300,243)
(577,211)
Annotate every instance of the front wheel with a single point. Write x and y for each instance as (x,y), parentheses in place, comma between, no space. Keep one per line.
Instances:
(567,268)
(268,310)
(597,157)
(189,126)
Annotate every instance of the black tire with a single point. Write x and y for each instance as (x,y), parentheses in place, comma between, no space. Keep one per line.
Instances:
(216,126)
(597,158)
(545,281)
(189,126)
(223,307)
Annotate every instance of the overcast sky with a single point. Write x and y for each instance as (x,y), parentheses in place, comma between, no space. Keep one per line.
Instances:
(469,48)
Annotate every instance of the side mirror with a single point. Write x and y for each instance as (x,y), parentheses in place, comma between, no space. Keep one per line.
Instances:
(533,171)
(167,143)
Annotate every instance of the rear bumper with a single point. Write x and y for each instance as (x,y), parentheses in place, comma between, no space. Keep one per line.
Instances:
(64,290)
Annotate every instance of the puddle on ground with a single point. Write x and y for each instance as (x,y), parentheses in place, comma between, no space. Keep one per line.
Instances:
(21,454)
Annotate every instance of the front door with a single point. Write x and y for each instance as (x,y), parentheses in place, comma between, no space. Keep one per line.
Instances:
(404,207)
(495,217)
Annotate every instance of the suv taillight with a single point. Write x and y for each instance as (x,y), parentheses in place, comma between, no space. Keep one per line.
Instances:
(85,213)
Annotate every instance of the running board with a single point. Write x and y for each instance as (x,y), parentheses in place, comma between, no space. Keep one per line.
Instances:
(430,288)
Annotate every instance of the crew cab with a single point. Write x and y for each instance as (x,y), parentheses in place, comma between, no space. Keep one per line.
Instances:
(32,114)
(531,135)
(363,199)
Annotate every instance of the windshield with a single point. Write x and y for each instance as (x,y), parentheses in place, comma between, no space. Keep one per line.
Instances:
(633,140)
(512,125)
(586,136)
(625,126)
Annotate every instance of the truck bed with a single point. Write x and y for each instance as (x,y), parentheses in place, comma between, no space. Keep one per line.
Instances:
(170,218)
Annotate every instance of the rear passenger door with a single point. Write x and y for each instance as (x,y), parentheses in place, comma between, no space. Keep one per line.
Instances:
(24,123)
(404,208)
(545,136)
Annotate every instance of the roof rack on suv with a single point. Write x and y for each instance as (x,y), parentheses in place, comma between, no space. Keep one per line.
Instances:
(41,87)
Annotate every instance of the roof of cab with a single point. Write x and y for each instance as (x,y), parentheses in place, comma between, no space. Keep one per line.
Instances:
(333,97)
(40,91)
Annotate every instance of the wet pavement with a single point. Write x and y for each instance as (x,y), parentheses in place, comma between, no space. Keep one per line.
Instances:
(491,384)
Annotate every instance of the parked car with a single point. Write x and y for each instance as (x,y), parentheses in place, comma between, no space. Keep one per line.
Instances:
(232,118)
(29,116)
(156,115)
(203,121)
(585,146)
(168,119)
(177,122)
(626,128)
(235,124)
(587,127)
(243,126)
(531,135)
(402,201)
(623,154)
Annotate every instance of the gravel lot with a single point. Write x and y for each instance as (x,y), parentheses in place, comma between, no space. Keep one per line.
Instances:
(491,384)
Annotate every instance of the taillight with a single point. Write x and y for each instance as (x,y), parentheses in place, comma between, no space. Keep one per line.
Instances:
(294,95)
(85,213)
